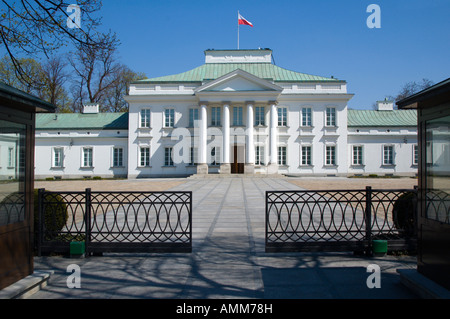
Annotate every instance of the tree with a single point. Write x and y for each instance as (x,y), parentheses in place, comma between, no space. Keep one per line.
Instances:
(411,88)
(55,76)
(96,70)
(408,89)
(36,27)
(48,79)
(31,67)
(114,96)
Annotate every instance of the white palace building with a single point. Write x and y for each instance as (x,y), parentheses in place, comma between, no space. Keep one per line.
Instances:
(238,113)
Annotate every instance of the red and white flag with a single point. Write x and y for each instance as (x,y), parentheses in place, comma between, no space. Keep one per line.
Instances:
(242,20)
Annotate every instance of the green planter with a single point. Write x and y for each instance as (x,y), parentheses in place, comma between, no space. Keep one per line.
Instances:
(379,248)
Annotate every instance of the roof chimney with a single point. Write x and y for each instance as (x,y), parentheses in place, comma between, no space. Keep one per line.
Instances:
(385,105)
(91,108)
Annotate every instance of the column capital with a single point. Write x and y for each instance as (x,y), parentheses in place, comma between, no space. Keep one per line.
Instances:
(249,102)
(226,103)
(272,102)
(203,103)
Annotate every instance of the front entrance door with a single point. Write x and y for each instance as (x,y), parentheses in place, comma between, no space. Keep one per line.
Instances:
(237,166)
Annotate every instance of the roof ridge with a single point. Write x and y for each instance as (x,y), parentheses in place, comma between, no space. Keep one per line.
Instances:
(263,70)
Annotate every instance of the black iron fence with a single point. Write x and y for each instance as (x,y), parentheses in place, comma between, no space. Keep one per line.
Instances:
(114,221)
(340,220)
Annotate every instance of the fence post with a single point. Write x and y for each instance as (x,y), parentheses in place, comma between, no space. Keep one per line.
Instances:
(368,219)
(87,220)
(267,218)
(190,220)
(41,222)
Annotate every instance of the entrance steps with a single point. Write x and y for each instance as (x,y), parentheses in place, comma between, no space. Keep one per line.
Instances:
(216,175)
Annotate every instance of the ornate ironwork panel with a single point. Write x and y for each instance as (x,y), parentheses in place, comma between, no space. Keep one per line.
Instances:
(116,221)
(339,220)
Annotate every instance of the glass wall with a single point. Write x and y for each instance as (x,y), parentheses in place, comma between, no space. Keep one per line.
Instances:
(12,172)
(437,159)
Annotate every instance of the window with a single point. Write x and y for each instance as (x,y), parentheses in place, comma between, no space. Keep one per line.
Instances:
(306,156)
(330,155)
(58,156)
(215,155)
(237,116)
(168,160)
(331,116)
(416,154)
(259,155)
(145,118)
(117,157)
(282,116)
(87,157)
(357,155)
(193,158)
(388,155)
(259,115)
(144,156)
(11,159)
(282,155)
(306,116)
(215,116)
(193,117)
(169,118)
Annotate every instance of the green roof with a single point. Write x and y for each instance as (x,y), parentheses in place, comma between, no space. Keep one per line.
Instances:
(73,121)
(212,71)
(373,118)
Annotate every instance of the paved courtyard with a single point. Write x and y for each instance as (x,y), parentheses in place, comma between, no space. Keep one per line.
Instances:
(228,258)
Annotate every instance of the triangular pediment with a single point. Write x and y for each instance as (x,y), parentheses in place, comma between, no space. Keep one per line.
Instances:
(238,81)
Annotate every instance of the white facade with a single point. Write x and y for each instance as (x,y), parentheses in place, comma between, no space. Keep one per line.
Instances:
(238,113)
(65,149)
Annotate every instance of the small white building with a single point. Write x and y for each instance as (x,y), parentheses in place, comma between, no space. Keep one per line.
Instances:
(81,145)
(237,113)
(383,142)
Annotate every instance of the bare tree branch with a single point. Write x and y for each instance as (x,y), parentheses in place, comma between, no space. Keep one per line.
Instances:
(38,27)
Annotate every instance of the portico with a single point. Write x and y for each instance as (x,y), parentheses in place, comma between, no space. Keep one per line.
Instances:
(228,107)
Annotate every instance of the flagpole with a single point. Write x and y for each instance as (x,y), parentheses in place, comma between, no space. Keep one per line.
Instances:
(238,29)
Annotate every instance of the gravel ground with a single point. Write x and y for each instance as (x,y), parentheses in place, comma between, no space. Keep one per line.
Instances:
(337,183)
(143,185)
(311,183)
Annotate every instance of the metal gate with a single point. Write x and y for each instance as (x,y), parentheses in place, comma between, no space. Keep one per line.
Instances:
(340,220)
(115,221)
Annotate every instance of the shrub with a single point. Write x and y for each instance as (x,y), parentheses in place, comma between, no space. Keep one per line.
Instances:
(96,177)
(404,213)
(55,215)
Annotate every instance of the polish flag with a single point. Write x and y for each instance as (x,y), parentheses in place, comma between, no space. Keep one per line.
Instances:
(242,20)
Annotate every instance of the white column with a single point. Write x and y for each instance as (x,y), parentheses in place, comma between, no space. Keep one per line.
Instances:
(273,134)
(202,167)
(250,135)
(226,134)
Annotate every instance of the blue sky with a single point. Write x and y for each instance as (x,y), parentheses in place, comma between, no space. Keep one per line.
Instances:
(322,37)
